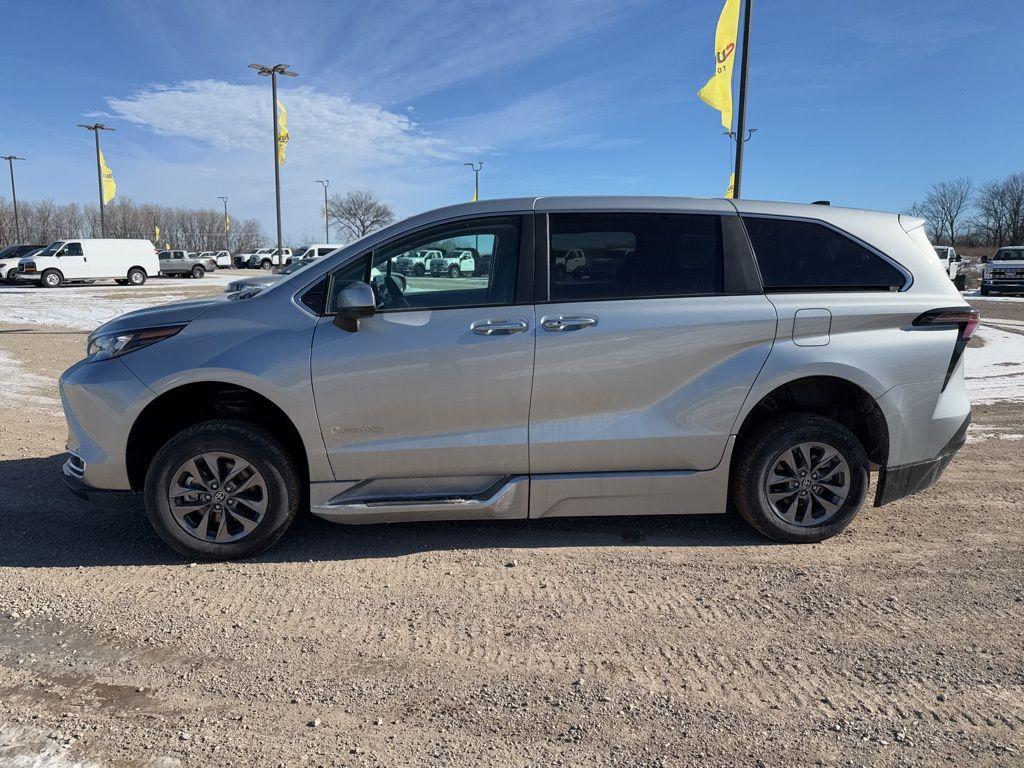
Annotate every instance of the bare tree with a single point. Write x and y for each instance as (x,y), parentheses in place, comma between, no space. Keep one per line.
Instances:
(359,213)
(947,207)
(1000,206)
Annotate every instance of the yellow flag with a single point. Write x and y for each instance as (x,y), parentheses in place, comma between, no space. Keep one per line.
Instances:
(107,180)
(731,189)
(227,223)
(474,195)
(717,92)
(282,131)
(156,233)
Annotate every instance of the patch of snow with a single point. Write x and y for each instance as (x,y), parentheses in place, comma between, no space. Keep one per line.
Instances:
(996,370)
(21,385)
(976,294)
(82,308)
(20,748)
(979,433)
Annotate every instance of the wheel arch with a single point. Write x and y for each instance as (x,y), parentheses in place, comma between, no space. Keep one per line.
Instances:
(834,397)
(189,404)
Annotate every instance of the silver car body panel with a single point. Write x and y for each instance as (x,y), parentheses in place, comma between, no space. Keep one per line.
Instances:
(635,413)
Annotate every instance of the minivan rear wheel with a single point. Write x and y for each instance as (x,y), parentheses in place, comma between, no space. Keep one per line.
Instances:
(221,490)
(136,276)
(800,478)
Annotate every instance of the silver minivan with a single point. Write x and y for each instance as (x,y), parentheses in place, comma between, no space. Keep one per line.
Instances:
(762,357)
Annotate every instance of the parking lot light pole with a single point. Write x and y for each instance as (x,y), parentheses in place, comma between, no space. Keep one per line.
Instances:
(272,73)
(224,199)
(476,178)
(96,128)
(327,224)
(14,196)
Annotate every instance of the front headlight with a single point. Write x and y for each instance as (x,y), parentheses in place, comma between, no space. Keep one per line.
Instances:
(988,271)
(115,344)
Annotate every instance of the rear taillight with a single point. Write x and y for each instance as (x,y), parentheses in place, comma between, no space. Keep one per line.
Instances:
(965,319)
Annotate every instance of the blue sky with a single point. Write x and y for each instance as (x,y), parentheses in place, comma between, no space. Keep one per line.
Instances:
(864,103)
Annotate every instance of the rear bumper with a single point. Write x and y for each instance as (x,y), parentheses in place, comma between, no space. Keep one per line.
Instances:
(897,482)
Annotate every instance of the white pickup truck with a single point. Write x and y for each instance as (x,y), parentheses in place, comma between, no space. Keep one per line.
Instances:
(268,258)
(950,261)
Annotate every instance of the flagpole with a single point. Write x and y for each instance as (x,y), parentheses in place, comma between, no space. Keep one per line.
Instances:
(742,117)
(273,72)
(96,128)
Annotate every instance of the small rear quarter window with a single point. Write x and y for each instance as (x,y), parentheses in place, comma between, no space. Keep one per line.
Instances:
(796,255)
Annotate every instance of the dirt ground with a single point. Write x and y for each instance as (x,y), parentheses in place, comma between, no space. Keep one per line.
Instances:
(614,641)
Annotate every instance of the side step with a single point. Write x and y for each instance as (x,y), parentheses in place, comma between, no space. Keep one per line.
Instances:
(505,498)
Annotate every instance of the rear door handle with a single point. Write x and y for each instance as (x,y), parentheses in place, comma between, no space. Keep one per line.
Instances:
(499,327)
(567,322)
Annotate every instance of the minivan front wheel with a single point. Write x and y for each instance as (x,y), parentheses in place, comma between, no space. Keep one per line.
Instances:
(800,478)
(221,490)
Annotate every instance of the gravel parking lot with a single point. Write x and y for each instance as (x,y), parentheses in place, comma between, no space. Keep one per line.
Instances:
(612,641)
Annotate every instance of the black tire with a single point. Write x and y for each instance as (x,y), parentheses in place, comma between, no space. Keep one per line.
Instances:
(253,444)
(759,453)
(984,291)
(121,282)
(198,271)
(454,271)
(136,276)
(266,264)
(559,272)
(52,278)
(419,270)
(960,282)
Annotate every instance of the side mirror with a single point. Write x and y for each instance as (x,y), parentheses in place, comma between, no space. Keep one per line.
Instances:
(355,301)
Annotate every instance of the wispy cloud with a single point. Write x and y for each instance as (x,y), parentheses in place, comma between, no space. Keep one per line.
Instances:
(409,48)
(229,116)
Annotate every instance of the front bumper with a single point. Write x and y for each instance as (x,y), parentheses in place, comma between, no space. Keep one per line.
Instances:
(897,482)
(1002,284)
(101,402)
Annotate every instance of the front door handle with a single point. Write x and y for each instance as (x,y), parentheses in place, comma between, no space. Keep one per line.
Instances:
(567,322)
(499,327)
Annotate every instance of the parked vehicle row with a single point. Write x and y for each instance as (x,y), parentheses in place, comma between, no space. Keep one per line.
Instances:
(730,354)
(128,262)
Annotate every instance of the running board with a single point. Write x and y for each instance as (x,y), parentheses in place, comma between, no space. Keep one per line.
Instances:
(505,499)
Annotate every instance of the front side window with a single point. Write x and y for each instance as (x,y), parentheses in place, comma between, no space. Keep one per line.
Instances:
(452,273)
(73,249)
(796,255)
(601,256)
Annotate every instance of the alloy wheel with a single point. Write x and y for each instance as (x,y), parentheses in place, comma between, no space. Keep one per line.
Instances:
(217,497)
(807,484)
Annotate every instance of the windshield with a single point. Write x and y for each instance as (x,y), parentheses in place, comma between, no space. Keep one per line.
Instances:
(1009,254)
(942,253)
(52,248)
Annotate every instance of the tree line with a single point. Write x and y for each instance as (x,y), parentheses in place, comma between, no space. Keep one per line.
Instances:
(352,216)
(960,213)
(194,229)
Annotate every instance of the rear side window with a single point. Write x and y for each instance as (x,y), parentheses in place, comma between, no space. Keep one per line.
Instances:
(804,256)
(600,256)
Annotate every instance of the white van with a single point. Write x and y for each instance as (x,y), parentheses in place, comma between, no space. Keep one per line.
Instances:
(127,262)
(314,251)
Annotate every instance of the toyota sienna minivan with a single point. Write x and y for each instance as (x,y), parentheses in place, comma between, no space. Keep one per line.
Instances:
(762,357)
